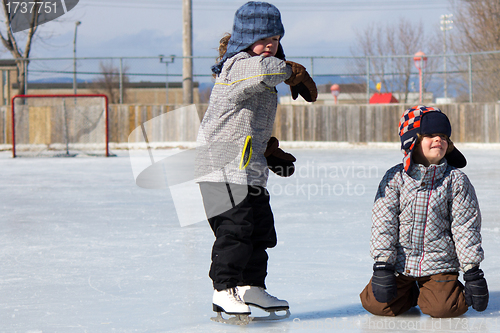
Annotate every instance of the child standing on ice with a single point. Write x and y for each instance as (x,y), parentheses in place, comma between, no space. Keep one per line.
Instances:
(235,152)
(426,227)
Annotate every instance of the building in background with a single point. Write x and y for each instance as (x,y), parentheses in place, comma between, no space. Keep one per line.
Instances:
(8,76)
(383,98)
(352,93)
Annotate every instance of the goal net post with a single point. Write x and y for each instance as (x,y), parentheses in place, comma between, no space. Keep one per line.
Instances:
(60,125)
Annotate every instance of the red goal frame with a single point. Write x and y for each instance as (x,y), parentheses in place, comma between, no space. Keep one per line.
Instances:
(106,123)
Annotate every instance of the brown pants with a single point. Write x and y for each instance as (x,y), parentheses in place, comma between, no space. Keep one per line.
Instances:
(441,296)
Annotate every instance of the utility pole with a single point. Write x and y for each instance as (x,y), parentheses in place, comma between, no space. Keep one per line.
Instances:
(446,24)
(77,23)
(187,51)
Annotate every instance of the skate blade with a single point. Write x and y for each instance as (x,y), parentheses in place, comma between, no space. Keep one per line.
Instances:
(235,320)
(273,315)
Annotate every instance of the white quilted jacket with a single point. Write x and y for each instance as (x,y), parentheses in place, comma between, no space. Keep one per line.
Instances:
(427,221)
(242,107)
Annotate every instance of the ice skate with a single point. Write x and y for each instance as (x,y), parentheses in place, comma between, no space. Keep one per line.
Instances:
(258,297)
(229,302)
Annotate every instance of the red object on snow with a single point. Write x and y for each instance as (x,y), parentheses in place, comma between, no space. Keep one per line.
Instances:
(383,98)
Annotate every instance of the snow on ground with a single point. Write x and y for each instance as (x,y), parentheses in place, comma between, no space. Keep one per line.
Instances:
(83,249)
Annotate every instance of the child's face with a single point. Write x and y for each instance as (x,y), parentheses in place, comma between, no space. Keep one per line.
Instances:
(431,149)
(266,47)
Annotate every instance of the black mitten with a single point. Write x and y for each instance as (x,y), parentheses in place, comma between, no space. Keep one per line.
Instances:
(476,289)
(279,166)
(384,282)
(278,161)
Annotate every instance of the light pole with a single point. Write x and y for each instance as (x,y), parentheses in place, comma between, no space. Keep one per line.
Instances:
(446,24)
(166,62)
(187,51)
(420,60)
(335,90)
(77,23)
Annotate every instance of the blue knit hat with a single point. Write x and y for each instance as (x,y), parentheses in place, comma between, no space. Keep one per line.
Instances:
(252,22)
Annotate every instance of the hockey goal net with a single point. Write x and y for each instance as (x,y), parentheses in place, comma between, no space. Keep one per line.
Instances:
(59,125)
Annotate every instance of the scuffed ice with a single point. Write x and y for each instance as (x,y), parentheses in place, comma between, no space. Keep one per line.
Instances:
(83,249)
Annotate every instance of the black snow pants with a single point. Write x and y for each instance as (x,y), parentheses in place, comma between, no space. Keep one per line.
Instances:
(243,229)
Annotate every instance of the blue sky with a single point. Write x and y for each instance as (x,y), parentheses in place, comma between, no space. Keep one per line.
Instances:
(152,27)
(148,28)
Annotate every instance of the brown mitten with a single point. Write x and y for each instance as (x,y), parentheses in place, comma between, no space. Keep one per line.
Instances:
(298,72)
(311,87)
(307,89)
(301,83)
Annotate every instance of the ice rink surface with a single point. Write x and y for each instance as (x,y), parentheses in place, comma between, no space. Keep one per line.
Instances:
(83,249)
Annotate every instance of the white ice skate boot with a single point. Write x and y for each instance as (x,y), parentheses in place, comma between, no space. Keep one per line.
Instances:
(258,296)
(229,302)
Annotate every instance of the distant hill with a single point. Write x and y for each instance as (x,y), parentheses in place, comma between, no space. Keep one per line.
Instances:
(58,80)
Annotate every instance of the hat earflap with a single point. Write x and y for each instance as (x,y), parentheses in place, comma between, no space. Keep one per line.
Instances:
(454,157)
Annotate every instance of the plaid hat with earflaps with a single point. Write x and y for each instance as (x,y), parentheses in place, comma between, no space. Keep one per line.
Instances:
(252,22)
(422,119)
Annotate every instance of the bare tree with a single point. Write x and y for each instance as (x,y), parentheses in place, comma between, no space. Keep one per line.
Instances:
(108,82)
(478,22)
(10,42)
(477,30)
(391,49)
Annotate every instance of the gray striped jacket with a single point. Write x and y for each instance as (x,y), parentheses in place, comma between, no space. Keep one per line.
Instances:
(426,221)
(234,132)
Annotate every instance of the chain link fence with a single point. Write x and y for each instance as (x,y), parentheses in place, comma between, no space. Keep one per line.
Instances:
(459,77)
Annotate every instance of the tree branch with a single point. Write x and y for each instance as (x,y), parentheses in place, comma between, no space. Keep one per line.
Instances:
(31,32)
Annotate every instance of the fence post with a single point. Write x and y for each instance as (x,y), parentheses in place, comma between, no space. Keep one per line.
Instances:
(121,80)
(25,65)
(470,78)
(367,80)
(422,92)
